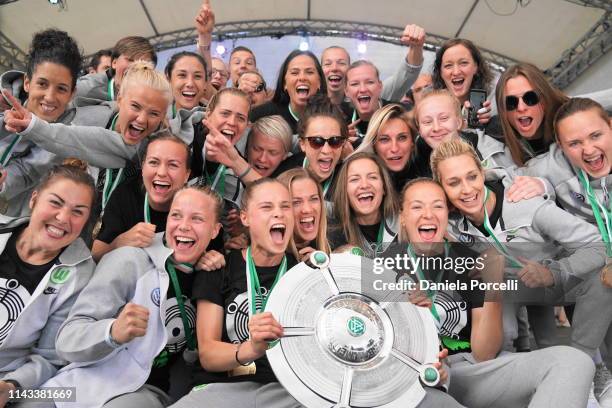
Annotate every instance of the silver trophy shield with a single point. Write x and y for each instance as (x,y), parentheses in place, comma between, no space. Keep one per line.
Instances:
(344,348)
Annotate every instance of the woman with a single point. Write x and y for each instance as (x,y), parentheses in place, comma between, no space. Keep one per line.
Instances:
(135,316)
(44,266)
(323,136)
(438,118)
(232,347)
(460,67)
(299,78)
(186,72)
(556,376)
(484,215)
(53,66)
(389,135)
(365,204)
(527,104)
(310,230)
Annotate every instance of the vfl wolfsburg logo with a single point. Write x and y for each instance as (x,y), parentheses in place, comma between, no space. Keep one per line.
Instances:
(356,326)
(60,275)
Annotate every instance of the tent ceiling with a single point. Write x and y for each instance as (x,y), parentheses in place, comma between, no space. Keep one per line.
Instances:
(539,31)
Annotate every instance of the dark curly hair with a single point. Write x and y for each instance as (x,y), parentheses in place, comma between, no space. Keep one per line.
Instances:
(57,47)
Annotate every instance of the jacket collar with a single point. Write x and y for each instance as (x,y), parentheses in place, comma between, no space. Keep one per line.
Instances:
(158,252)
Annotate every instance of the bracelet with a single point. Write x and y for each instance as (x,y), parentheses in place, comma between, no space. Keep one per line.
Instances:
(202,46)
(236,356)
(244,173)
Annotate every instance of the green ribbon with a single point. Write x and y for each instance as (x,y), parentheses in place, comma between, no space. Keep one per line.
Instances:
(603,223)
(6,156)
(111,90)
(431,293)
(217,182)
(253,286)
(183,267)
(293,114)
(147,209)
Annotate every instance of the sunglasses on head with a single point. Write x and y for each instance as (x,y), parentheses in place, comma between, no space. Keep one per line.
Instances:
(530,98)
(317,142)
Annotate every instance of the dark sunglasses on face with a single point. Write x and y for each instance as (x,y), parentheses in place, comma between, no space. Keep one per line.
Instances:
(317,142)
(530,98)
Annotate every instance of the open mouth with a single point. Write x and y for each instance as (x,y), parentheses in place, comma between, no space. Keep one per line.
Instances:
(307,224)
(55,232)
(458,83)
(228,133)
(189,94)
(303,91)
(427,232)
(334,79)
(277,232)
(135,131)
(161,186)
(365,198)
(470,201)
(594,164)
(216,84)
(47,109)
(325,165)
(261,167)
(184,242)
(364,101)
(525,121)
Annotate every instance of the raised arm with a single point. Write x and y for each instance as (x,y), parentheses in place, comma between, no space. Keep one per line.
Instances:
(408,70)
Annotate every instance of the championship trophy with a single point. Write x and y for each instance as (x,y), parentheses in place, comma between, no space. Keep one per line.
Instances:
(343,348)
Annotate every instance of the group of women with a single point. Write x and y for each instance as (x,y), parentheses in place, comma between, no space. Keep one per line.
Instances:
(194,203)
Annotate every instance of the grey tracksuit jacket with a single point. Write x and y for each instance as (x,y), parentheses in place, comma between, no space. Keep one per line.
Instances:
(128,274)
(27,353)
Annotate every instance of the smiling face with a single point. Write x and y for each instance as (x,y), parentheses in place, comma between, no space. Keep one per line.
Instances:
(365,190)
(301,80)
(586,140)
(49,90)
(363,88)
(458,70)
(463,183)
(230,116)
(141,111)
(321,161)
(241,61)
(164,172)
(59,213)
(265,153)
(269,217)
(335,63)
(394,144)
(526,120)
(188,81)
(220,74)
(306,209)
(424,215)
(438,120)
(191,225)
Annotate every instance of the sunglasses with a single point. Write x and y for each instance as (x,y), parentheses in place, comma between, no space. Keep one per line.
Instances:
(260,88)
(530,98)
(317,142)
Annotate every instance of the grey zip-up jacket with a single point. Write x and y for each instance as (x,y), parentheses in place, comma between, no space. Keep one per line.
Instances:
(127,274)
(396,86)
(570,193)
(99,146)
(27,353)
(94,86)
(30,162)
(553,231)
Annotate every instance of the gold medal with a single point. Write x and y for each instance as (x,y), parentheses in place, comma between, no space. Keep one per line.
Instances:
(243,370)
(606,274)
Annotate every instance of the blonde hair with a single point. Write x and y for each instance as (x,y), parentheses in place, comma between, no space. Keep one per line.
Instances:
(287,179)
(209,192)
(342,208)
(143,73)
(379,119)
(214,101)
(276,127)
(438,92)
(451,148)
